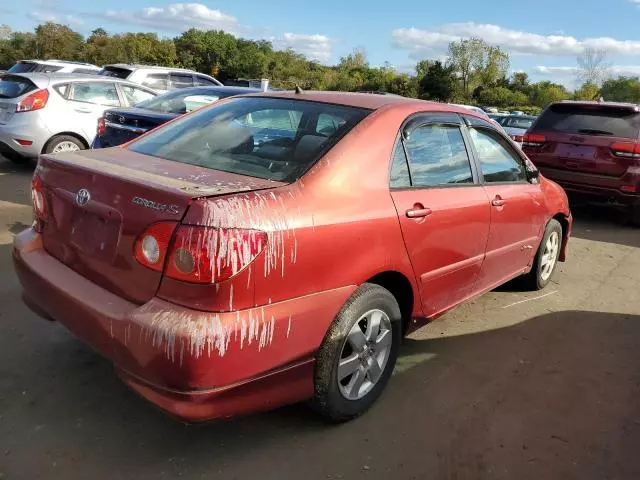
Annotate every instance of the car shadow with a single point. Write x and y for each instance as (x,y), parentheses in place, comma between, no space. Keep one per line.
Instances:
(15,181)
(552,397)
(603,223)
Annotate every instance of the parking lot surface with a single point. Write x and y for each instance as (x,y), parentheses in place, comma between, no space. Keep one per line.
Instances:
(515,385)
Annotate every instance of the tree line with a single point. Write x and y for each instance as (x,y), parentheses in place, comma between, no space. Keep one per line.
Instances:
(474,72)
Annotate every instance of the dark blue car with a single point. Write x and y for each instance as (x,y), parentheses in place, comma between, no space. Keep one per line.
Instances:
(119,125)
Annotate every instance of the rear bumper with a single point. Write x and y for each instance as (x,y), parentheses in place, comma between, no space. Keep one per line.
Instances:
(597,185)
(195,365)
(25,126)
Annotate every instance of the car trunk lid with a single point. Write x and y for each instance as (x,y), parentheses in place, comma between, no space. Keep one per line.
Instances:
(100,201)
(579,137)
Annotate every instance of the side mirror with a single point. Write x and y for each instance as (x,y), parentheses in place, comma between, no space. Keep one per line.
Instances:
(533,174)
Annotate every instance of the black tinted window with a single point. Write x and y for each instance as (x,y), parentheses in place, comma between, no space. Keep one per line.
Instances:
(244,136)
(115,72)
(13,87)
(438,156)
(181,80)
(159,81)
(498,161)
(400,177)
(204,81)
(590,120)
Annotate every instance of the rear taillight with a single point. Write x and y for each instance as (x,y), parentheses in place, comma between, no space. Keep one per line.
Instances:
(533,140)
(518,138)
(35,101)
(198,254)
(212,255)
(39,202)
(102,127)
(626,149)
(152,246)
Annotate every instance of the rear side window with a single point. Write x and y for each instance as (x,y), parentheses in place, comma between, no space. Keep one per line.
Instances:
(115,72)
(157,81)
(14,86)
(204,81)
(590,120)
(23,67)
(498,162)
(231,137)
(438,156)
(99,93)
(62,89)
(134,95)
(181,80)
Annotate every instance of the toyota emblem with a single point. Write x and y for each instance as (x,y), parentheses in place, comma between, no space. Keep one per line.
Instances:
(82,197)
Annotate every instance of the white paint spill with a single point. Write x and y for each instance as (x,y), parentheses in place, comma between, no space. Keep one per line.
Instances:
(530,299)
(289,326)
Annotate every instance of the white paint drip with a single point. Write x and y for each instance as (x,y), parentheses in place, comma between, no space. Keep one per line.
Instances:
(289,326)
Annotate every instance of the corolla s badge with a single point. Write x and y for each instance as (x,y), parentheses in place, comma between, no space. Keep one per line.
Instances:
(82,197)
(161,207)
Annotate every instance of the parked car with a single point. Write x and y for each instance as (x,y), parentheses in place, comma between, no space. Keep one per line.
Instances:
(52,112)
(223,275)
(590,148)
(50,66)
(516,125)
(480,112)
(161,79)
(119,125)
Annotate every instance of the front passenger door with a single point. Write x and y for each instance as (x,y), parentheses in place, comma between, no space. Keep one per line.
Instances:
(443,210)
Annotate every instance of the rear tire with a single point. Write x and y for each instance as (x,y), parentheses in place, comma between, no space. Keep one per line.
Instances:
(63,143)
(546,260)
(357,355)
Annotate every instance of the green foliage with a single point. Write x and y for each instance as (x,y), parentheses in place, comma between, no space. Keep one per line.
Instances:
(544,93)
(437,83)
(502,97)
(621,89)
(477,63)
(53,40)
(588,91)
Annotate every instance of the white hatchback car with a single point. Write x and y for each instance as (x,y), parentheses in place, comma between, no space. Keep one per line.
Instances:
(52,112)
(51,66)
(161,79)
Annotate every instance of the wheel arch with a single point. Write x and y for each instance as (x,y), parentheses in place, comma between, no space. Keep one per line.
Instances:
(565,223)
(70,134)
(402,289)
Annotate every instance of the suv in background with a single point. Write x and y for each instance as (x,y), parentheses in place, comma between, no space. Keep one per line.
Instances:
(590,148)
(161,79)
(50,66)
(52,112)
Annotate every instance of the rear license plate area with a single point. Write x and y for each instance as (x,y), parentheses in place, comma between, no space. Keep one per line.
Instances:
(576,152)
(94,235)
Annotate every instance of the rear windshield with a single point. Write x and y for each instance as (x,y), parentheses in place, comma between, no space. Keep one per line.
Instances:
(25,67)
(115,72)
(183,101)
(590,120)
(13,86)
(269,138)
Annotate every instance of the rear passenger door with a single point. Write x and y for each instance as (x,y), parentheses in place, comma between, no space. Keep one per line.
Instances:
(443,210)
(517,205)
(87,102)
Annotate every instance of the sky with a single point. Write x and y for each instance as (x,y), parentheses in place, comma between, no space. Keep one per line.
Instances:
(543,37)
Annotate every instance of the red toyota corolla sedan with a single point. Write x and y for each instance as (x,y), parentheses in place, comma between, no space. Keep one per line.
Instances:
(275,248)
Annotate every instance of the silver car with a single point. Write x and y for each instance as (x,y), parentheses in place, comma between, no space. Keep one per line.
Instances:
(52,112)
(161,79)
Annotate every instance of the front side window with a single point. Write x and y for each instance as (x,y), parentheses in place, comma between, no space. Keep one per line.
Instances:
(400,177)
(498,161)
(96,92)
(181,80)
(157,81)
(204,81)
(438,156)
(135,95)
(255,136)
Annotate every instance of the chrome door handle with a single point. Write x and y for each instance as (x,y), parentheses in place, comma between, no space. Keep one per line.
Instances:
(83,110)
(497,202)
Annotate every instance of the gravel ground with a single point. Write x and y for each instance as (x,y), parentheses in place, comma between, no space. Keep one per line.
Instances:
(515,385)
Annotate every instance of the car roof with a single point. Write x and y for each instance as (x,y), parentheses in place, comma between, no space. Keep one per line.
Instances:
(632,106)
(371,101)
(215,89)
(137,66)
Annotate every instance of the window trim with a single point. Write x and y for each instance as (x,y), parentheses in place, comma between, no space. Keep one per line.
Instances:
(419,120)
(508,145)
(72,88)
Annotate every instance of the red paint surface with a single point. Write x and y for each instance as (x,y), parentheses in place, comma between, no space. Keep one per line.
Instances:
(184,346)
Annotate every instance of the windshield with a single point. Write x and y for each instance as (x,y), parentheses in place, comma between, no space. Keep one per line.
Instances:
(590,120)
(13,87)
(269,138)
(182,101)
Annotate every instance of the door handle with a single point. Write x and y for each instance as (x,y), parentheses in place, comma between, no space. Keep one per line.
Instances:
(83,110)
(418,211)
(498,201)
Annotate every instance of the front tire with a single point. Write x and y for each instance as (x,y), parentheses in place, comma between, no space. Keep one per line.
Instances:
(546,260)
(358,354)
